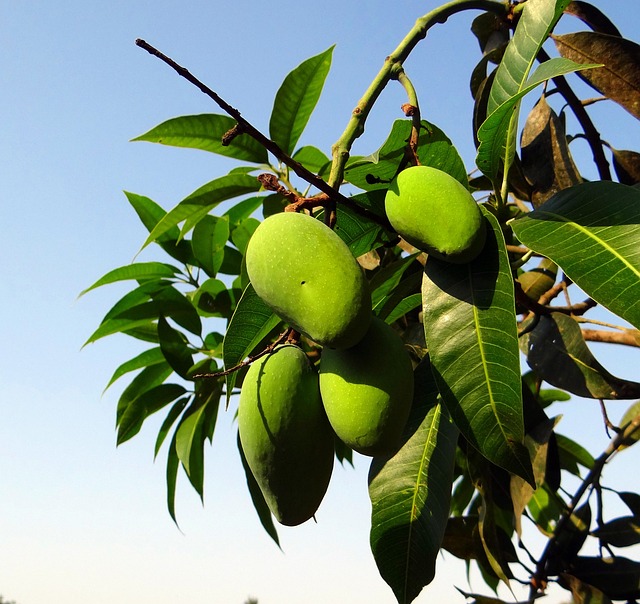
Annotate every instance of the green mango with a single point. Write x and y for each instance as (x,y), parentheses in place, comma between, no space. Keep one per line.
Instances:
(367,390)
(435,213)
(285,434)
(310,279)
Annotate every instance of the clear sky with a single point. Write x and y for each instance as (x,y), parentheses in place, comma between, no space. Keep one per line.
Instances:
(82,522)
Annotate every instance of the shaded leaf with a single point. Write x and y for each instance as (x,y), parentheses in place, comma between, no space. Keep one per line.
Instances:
(259,503)
(593,17)
(147,379)
(410,494)
(312,159)
(546,158)
(583,593)
(175,348)
(189,444)
(243,232)
(243,209)
(202,201)
(618,578)
(619,78)
(296,99)
(140,271)
(205,132)
(627,166)
(556,351)
(591,232)
(251,322)
(632,414)
(570,540)
(573,454)
(632,501)
(213,299)
(620,532)
(470,329)
(545,508)
(491,31)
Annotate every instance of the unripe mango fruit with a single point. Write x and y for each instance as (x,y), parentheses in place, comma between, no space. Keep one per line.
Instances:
(309,277)
(367,390)
(435,213)
(285,435)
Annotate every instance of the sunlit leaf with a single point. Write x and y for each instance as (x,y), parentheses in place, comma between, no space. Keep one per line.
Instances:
(296,99)
(573,454)
(251,322)
(205,132)
(147,379)
(470,328)
(208,241)
(312,159)
(173,465)
(591,232)
(410,494)
(141,271)
(619,78)
(152,356)
(174,413)
(556,351)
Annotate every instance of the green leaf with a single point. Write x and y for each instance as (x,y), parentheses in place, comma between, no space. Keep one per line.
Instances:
(312,159)
(243,232)
(556,351)
(140,271)
(148,378)
(210,235)
(145,405)
(410,494)
(175,348)
(619,77)
(386,280)
(174,413)
(583,593)
(173,465)
(205,132)
(573,454)
(620,532)
(259,503)
(618,578)
(296,99)
(591,232)
(243,209)
(153,356)
(497,134)
(199,203)
(251,322)
(470,329)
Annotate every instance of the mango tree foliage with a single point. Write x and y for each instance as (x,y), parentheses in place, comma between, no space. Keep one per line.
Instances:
(499,344)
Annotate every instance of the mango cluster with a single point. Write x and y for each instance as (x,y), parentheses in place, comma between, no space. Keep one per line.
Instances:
(289,413)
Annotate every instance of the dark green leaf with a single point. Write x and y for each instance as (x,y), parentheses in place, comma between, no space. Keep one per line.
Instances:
(620,532)
(491,31)
(619,78)
(570,540)
(618,578)
(173,465)
(148,378)
(145,405)
(209,238)
(175,348)
(556,351)
(202,201)
(251,322)
(387,279)
(231,262)
(243,232)
(174,413)
(312,159)
(259,503)
(147,332)
(410,494)
(213,299)
(242,210)
(591,232)
(152,356)
(583,593)
(572,454)
(140,271)
(632,501)
(296,99)
(470,329)
(205,132)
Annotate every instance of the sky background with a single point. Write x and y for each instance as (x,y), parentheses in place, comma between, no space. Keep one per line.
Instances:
(82,522)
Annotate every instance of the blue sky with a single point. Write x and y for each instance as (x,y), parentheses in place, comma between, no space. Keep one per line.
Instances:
(82,522)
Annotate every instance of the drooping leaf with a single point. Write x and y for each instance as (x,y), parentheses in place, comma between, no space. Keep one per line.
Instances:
(546,158)
(297,98)
(490,30)
(570,540)
(259,503)
(618,578)
(627,166)
(470,329)
(593,17)
(619,78)
(556,351)
(410,494)
(139,271)
(189,444)
(386,280)
(545,508)
(583,593)
(573,454)
(591,232)
(208,241)
(251,322)
(205,132)
(174,413)
(632,501)
(632,414)
(147,379)
(620,532)
(175,348)
(173,465)
(202,201)
(149,357)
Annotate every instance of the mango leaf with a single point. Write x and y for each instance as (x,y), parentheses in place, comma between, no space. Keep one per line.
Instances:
(150,213)
(620,532)
(139,271)
(251,322)
(148,378)
(153,356)
(202,201)
(205,132)
(570,540)
(618,578)
(632,414)
(174,413)
(386,280)
(591,232)
(259,503)
(497,134)
(632,501)
(556,351)
(143,406)
(312,159)
(583,593)
(470,329)
(208,240)
(242,210)
(546,158)
(592,16)
(619,78)
(545,508)
(435,149)
(410,494)
(175,348)
(296,99)
(627,166)
(189,444)
(173,465)
(573,454)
